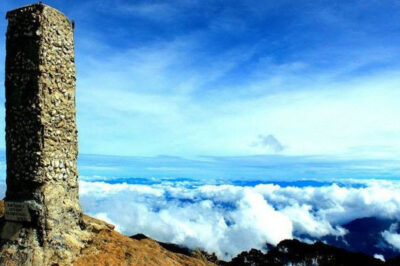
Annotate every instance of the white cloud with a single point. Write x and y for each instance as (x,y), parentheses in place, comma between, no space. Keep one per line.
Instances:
(221,219)
(228,219)
(269,143)
(306,222)
(392,237)
(379,257)
(337,204)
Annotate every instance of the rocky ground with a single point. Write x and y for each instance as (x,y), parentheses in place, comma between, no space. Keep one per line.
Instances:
(108,247)
(112,248)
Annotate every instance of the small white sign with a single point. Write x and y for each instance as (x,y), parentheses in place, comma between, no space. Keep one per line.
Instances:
(17,211)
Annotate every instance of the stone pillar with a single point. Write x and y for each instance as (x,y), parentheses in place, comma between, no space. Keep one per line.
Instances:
(42,212)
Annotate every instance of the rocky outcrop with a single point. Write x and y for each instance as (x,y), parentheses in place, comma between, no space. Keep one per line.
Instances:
(179,249)
(111,248)
(105,246)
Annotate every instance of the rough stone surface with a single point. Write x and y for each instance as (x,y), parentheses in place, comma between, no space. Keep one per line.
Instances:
(41,140)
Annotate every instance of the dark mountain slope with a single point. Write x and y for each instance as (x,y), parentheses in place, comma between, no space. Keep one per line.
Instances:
(365,235)
(294,252)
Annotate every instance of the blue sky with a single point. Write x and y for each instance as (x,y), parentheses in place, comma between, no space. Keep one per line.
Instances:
(235,78)
(200,105)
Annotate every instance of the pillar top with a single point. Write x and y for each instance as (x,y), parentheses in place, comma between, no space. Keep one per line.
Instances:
(39,6)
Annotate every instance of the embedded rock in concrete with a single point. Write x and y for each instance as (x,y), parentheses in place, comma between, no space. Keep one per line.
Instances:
(43,219)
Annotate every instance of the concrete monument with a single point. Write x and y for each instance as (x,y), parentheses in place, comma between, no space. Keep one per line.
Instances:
(43,219)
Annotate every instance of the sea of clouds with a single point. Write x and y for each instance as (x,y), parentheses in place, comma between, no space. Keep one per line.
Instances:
(228,219)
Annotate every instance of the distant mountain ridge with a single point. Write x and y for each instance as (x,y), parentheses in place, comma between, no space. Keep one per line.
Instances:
(288,252)
(293,252)
(365,235)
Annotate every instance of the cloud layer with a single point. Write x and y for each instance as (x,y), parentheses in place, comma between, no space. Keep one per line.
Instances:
(227,219)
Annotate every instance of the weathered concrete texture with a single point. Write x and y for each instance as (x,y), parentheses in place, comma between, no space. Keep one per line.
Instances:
(41,139)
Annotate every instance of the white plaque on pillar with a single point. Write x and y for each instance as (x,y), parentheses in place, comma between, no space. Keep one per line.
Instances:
(16,211)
